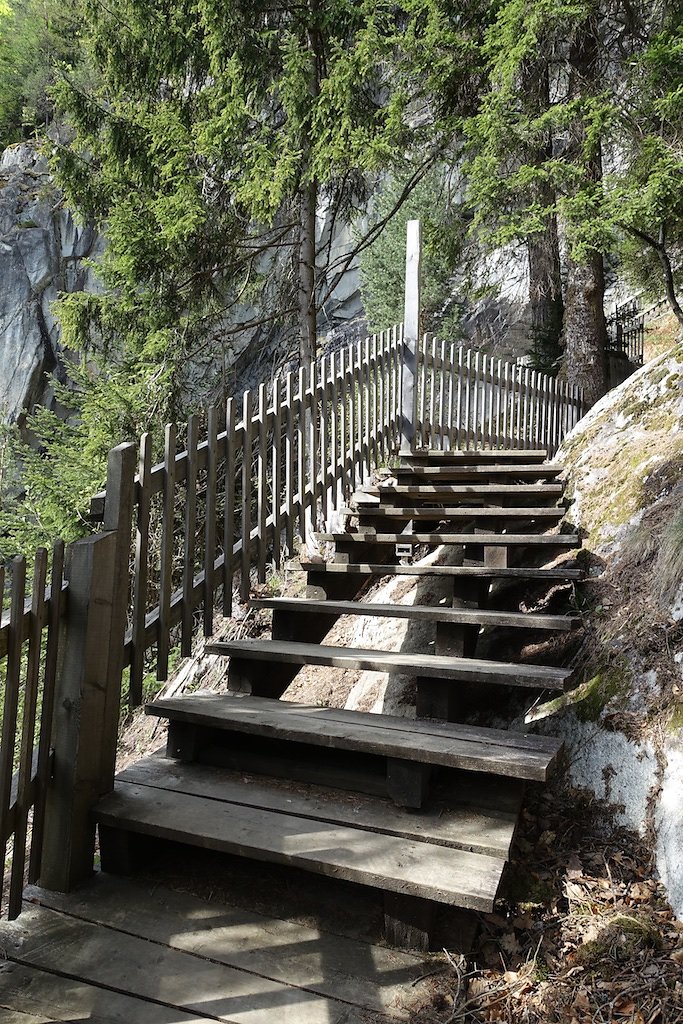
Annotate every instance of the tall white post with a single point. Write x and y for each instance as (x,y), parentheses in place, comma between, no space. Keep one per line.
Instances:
(411,333)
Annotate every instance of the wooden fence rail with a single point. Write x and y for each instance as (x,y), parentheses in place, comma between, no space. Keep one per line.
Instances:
(29,650)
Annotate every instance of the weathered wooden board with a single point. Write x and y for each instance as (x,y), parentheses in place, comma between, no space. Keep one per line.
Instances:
(560,540)
(478,571)
(431,613)
(459,472)
(432,665)
(153,971)
(459,490)
(437,513)
(47,996)
(454,877)
(355,972)
(463,827)
(450,745)
(483,456)
(451,730)
(19,1017)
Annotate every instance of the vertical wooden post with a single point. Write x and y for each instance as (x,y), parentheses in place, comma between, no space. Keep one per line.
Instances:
(88,692)
(411,333)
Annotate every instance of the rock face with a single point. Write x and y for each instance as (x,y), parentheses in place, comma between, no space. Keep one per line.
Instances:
(42,253)
(625,473)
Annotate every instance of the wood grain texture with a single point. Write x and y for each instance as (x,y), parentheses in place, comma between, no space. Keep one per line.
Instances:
(450,745)
(465,571)
(365,976)
(159,974)
(487,829)
(433,665)
(454,877)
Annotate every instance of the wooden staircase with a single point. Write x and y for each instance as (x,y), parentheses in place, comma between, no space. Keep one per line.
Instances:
(422,809)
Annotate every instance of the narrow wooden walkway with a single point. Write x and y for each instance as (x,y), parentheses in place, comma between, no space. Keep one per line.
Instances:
(423,809)
(124,952)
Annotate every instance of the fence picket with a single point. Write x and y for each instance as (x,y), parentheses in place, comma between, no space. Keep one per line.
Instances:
(289,461)
(140,580)
(189,541)
(11,703)
(23,802)
(276,466)
(166,554)
(229,506)
(54,610)
(210,524)
(262,485)
(247,444)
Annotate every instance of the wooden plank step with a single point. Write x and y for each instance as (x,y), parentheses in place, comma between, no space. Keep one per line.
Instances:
(440,613)
(474,456)
(465,571)
(430,666)
(451,745)
(155,972)
(457,472)
(467,513)
(455,877)
(445,491)
(46,996)
(370,977)
(501,540)
(483,824)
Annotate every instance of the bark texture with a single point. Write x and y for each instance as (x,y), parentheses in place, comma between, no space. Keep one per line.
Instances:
(585,328)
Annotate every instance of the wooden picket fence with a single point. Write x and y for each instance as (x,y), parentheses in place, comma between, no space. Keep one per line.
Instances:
(468,399)
(29,651)
(256,482)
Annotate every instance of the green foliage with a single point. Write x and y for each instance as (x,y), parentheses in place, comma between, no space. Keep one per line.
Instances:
(382,265)
(35,35)
(46,488)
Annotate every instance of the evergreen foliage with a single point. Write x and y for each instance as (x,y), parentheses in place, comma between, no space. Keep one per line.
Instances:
(35,35)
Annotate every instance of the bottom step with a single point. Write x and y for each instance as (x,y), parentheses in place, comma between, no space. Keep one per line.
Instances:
(427,855)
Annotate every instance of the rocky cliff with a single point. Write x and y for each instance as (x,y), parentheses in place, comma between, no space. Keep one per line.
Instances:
(624,733)
(43,251)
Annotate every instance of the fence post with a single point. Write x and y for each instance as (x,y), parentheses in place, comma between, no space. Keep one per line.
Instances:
(411,333)
(88,690)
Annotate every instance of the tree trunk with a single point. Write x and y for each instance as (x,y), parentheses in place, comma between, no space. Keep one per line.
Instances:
(585,328)
(307,303)
(545,295)
(545,284)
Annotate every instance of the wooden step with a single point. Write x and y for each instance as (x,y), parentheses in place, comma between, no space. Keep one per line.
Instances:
(480,817)
(441,613)
(470,748)
(430,666)
(483,572)
(458,472)
(477,456)
(463,513)
(447,491)
(503,540)
(386,862)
